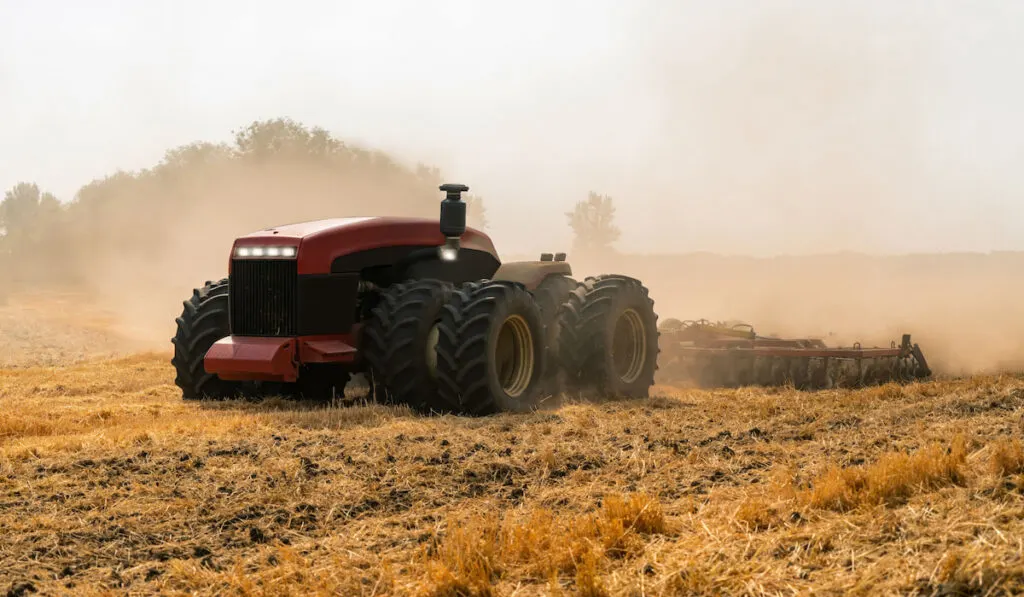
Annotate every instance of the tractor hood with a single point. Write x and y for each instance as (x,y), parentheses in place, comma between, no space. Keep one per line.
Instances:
(319,243)
(302,230)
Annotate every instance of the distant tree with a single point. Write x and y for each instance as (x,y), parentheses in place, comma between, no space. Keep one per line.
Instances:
(27,215)
(283,136)
(593,225)
(30,227)
(178,215)
(195,155)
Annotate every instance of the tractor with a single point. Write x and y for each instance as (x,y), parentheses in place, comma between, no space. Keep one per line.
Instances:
(423,309)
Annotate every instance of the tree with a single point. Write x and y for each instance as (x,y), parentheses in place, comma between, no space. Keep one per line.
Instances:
(179,216)
(593,225)
(27,215)
(285,137)
(29,220)
(195,155)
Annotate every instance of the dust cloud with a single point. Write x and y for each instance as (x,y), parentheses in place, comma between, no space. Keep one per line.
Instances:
(192,243)
(963,309)
(804,166)
(785,153)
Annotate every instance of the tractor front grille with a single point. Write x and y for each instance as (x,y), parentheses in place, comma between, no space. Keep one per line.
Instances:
(264,297)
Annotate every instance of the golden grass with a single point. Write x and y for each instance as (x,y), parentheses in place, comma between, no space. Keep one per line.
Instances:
(110,484)
(1008,457)
(892,479)
(475,553)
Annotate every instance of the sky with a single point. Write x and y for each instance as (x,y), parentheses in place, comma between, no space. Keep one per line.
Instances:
(739,126)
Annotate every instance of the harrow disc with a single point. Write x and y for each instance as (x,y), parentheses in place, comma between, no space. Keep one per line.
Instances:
(818,375)
(731,369)
(728,354)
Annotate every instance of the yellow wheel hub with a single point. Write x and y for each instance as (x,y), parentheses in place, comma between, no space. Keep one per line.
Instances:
(513,355)
(629,346)
(432,351)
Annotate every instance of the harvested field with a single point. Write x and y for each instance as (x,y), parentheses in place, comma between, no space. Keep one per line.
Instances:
(110,484)
(843,172)
(53,328)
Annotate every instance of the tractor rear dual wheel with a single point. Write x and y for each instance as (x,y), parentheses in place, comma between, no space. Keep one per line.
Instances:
(476,349)
(491,346)
(550,295)
(491,350)
(609,337)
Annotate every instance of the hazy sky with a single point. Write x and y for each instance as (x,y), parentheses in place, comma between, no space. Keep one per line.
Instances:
(743,126)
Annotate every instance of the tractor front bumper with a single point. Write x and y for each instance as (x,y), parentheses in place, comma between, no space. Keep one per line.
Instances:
(247,358)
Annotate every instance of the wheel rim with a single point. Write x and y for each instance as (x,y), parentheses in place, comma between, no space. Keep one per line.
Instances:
(629,346)
(431,355)
(513,355)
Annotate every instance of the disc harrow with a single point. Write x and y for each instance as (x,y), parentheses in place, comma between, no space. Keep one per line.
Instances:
(731,354)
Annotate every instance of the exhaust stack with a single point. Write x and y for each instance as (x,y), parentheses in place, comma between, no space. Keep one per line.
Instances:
(453,220)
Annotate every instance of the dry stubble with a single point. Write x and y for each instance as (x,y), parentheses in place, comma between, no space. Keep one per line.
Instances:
(109,482)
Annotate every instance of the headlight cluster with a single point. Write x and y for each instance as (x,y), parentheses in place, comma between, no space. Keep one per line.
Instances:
(273,252)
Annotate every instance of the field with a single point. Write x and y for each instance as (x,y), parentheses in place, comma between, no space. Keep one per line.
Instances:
(837,173)
(110,484)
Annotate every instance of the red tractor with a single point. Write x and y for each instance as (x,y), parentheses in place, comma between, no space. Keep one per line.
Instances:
(427,312)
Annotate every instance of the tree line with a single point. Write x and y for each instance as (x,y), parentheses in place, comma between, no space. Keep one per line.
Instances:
(166,217)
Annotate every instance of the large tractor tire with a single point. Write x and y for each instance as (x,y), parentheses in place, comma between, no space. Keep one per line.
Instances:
(374,347)
(203,321)
(408,314)
(490,350)
(550,295)
(609,337)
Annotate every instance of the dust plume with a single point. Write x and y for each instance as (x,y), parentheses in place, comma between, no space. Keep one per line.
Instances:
(963,309)
(729,140)
(802,171)
(134,245)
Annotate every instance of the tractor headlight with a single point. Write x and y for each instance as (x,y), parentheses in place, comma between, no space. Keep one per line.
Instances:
(449,251)
(271,252)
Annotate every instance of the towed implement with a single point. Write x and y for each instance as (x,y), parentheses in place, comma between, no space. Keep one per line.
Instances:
(725,354)
(424,309)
